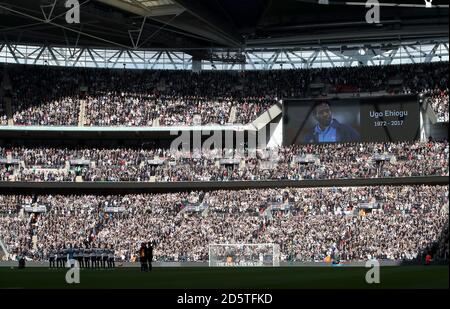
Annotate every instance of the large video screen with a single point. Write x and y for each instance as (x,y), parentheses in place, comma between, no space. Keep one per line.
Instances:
(369,119)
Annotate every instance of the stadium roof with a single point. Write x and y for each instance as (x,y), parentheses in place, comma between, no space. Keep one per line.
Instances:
(198,26)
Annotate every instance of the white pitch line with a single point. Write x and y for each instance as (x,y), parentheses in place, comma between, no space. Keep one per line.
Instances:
(400,5)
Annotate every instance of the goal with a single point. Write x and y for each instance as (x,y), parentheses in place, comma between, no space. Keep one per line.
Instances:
(245,255)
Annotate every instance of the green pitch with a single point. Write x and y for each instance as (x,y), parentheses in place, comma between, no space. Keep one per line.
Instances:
(282,277)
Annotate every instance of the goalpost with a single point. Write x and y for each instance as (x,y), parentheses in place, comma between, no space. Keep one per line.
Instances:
(244,255)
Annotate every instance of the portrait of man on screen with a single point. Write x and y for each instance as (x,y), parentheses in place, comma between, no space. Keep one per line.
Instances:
(327,129)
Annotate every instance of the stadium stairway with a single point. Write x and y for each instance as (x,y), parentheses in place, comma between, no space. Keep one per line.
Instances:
(430,113)
(9,113)
(232,117)
(181,212)
(205,211)
(9,158)
(6,84)
(32,224)
(34,241)
(265,118)
(267,213)
(92,233)
(3,251)
(82,114)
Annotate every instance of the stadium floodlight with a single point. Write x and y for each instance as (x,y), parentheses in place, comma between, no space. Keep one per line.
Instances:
(325,2)
(244,255)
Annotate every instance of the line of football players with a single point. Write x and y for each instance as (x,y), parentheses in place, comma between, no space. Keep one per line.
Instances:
(86,256)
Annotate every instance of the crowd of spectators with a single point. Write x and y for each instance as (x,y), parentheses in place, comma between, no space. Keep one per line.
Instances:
(134,109)
(44,96)
(51,95)
(324,161)
(403,222)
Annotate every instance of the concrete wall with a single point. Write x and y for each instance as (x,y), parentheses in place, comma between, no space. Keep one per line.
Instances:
(9,187)
(276,138)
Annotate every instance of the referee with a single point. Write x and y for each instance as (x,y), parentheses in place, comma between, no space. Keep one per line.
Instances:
(149,255)
(52,257)
(111,263)
(87,256)
(142,257)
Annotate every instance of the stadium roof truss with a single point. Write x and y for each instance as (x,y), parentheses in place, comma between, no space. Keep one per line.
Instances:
(254,59)
(220,34)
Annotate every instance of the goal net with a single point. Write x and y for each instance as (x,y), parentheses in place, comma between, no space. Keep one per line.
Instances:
(248,255)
